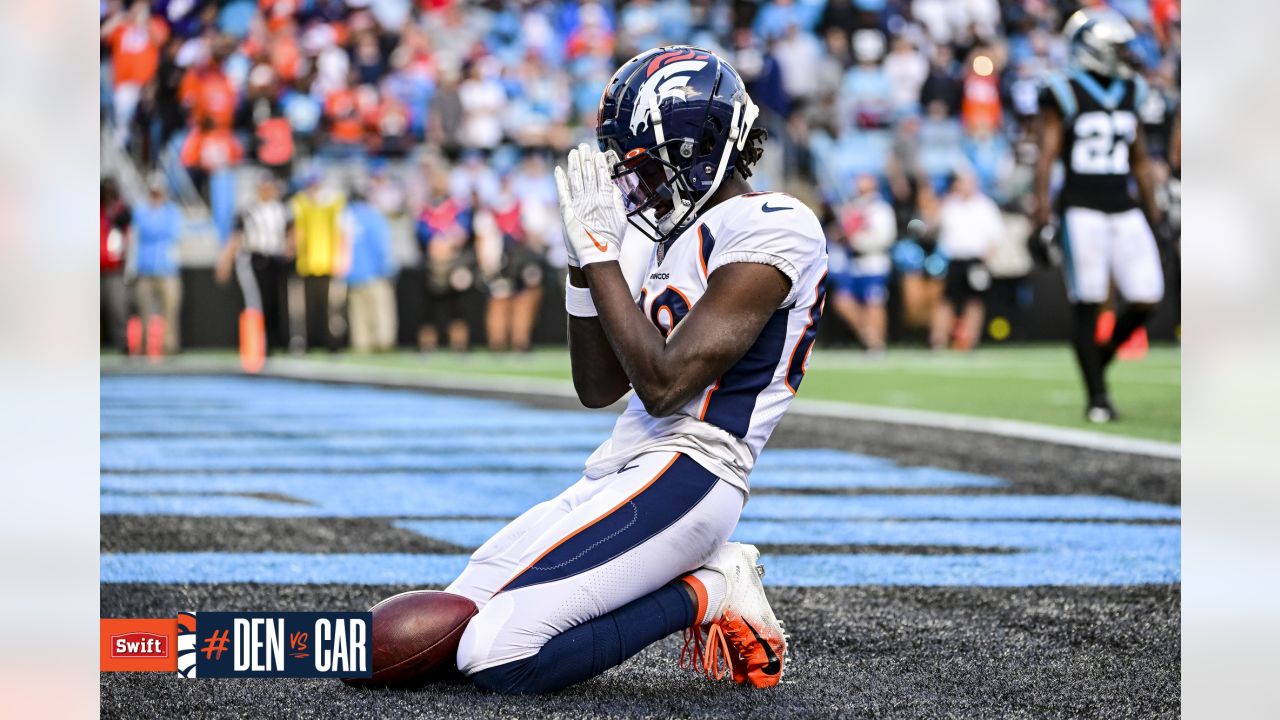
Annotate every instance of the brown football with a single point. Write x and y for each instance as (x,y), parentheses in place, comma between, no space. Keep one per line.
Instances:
(415,636)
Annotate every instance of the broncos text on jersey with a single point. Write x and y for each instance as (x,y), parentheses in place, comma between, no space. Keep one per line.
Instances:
(725,426)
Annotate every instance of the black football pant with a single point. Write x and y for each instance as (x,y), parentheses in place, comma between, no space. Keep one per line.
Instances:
(1094,358)
(272,275)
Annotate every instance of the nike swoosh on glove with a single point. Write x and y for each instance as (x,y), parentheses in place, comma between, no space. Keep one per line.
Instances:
(594,219)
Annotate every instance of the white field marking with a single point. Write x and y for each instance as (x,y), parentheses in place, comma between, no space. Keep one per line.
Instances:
(1164,364)
(990,426)
(1012,371)
(991,361)
(991,366)
(1051,352)
(1006,358)
(299,369)
(303,370)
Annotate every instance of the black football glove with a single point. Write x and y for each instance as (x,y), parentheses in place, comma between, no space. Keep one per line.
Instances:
(1044,247)
(1166,235)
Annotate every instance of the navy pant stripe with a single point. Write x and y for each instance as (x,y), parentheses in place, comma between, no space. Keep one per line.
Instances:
(656,507)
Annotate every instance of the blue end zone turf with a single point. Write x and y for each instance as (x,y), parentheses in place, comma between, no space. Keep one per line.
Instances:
(1051,554)
(456,469)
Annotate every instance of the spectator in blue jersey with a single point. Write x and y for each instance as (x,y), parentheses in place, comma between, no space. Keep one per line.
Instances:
(371,297)
(158,288)
(868,229)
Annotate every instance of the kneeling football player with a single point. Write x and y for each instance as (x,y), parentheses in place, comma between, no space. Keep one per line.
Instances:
(711,325)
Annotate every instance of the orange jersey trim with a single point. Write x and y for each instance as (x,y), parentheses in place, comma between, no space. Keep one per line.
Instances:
(706,402)
(702,262)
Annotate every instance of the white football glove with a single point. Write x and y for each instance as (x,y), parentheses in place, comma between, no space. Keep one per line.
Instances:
(594,219)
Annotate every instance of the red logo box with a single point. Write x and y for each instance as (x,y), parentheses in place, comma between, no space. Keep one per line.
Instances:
(138,644)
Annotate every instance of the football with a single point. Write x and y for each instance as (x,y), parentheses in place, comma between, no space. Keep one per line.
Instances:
(415,636)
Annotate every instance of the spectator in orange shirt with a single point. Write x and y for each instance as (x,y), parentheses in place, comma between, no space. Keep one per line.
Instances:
(980,107)
(391,125)
(285,54)
(592,36)
(135,39)
(209,148)
(278,13)
(207,93)
(261,118)
(344,118)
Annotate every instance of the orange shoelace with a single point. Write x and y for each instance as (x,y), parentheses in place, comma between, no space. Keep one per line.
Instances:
(711,655)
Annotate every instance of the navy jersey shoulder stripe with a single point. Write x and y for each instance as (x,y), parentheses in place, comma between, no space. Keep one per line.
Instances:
(804,344)
(706,243)
(732,400)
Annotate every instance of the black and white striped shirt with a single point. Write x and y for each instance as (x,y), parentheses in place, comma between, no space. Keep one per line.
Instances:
(263,226)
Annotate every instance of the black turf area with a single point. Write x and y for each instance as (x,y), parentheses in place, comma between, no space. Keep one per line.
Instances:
(856,652)
(894,652)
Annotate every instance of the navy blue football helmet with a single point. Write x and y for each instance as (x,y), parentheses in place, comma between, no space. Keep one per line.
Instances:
(680,121)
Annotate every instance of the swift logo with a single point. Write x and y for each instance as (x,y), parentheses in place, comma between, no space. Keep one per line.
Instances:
(775,665)
(768,209)
(139,645)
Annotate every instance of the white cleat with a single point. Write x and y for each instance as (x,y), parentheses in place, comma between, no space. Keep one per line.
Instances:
(745,631)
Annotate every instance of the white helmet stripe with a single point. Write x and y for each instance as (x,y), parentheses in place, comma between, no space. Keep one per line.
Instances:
(742,129)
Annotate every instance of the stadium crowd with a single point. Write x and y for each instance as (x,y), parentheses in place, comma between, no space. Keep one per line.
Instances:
(418,136)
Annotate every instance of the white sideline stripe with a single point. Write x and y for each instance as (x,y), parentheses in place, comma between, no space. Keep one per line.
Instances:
(990,426)
(304,370)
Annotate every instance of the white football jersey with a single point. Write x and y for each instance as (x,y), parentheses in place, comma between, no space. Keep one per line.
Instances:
(725,426)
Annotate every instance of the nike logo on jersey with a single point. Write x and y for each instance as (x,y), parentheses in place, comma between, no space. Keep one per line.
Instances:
(629,467)
(773,666)
(766,208)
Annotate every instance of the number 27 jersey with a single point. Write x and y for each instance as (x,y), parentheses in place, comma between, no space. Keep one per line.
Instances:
(1100,124)
(726,425)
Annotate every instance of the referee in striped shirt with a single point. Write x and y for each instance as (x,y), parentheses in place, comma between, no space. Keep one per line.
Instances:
(258,254)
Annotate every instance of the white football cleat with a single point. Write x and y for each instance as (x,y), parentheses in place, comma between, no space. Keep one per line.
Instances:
(745,631)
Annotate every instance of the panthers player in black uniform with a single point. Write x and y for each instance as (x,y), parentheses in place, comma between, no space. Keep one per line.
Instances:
(1089,119)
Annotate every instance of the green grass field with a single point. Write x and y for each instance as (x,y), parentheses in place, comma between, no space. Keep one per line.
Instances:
(1033,383)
